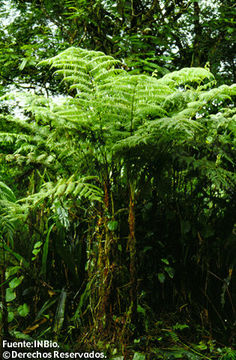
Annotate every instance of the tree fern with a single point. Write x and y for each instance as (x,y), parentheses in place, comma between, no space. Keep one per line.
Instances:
(113,132)
(112,111)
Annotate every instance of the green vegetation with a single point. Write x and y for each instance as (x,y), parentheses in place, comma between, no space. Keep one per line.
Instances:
(117,179)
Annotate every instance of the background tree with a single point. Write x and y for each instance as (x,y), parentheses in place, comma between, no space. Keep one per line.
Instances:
(146,35)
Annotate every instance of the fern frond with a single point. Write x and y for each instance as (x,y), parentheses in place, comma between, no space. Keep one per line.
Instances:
(220,94)
(11,138)
(80,188)
(187,76)
(84,68)
(6,194)
(220,177)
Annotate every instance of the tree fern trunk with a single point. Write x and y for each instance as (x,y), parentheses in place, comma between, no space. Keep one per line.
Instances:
(105,268)
(133,261)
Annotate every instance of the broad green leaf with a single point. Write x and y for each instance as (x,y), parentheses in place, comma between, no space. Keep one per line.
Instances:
(45,251)
(20,335)
(10,294)
(60,313)
(10,316)
(12,270)
(23,310)
(165,261)
(112,225)
(36,251)
(139,356)
(38,244)
(16,282)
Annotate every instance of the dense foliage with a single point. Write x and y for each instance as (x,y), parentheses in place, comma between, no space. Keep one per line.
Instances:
(123,205)
(117,176)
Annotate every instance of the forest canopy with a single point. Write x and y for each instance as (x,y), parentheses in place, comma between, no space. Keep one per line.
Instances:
(117,176)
